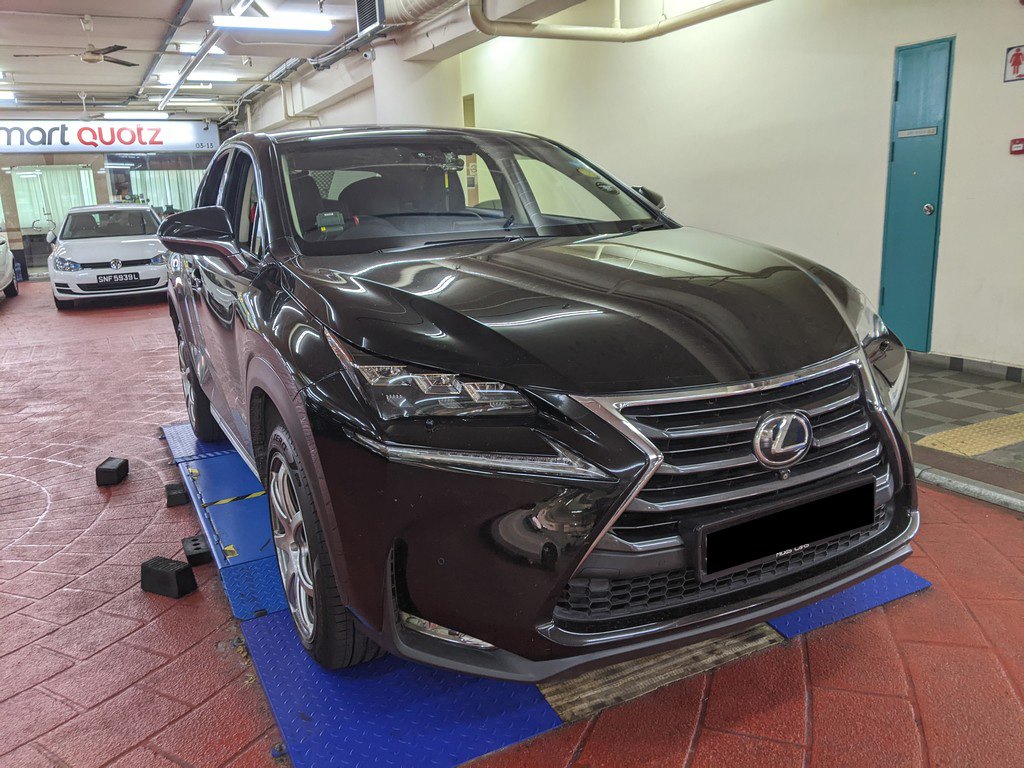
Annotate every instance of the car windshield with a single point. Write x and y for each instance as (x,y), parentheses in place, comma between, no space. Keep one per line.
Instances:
(83,224)
(360,193)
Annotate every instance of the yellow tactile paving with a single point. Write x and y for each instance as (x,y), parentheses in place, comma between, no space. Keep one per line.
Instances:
(978,438)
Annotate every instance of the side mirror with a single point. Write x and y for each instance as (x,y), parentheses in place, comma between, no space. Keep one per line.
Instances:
(51,237)
(199,232)
(658,201)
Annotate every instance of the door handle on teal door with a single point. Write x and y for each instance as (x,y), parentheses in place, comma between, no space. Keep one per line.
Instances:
(929,209)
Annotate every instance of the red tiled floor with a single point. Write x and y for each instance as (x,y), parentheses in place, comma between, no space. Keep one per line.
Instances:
(763,696)
(93,671)
(638,734)
(716,749)
(864,729)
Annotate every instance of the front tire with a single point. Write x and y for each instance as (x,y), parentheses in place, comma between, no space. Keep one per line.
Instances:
(328,631)
(11,290)
(200,415)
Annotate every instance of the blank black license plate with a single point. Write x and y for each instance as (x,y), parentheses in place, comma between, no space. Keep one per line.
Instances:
(789,530)
(120,277)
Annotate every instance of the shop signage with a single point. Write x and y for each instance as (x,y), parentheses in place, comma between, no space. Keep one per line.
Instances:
(107,136)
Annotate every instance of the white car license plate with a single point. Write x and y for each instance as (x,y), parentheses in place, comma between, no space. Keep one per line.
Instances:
(120,277)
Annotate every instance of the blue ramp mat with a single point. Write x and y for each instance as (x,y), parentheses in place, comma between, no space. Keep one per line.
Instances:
(219,478)
(185,446)
(238,533)
(882,588)
(389,712)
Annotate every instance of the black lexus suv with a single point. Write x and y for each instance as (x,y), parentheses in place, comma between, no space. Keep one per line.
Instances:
(515,421)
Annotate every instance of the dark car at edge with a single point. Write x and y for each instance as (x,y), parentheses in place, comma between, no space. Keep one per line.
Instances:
(515,421)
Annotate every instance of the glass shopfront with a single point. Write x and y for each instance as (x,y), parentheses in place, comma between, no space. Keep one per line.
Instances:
(48,167)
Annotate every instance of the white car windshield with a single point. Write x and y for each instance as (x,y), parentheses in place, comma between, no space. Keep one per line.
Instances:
(87,224)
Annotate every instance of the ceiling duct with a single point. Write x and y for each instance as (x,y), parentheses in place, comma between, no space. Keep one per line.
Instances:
(482,20)
(411,11)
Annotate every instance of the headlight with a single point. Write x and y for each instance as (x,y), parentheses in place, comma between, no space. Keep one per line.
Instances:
(890,364)
(65,265)
(159,259)
(405,391)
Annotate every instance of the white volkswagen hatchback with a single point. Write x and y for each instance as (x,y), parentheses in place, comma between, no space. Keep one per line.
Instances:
(106,250)
(7,281)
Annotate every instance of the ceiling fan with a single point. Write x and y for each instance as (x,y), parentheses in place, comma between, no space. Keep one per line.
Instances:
(86,114)
(91,55)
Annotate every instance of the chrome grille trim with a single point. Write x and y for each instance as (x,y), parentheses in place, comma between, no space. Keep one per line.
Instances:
(609,408)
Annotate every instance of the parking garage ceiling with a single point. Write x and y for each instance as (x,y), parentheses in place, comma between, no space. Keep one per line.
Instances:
(40,43)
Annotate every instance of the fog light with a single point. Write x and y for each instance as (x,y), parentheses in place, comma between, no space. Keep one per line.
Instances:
(425,627)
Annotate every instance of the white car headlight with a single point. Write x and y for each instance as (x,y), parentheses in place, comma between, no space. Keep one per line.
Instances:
(159,260)
(65,265)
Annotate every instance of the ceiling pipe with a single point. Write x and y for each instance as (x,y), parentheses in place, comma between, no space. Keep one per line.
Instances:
(190,66)
(396,12)
(172,28)
(240,7)
(483,22)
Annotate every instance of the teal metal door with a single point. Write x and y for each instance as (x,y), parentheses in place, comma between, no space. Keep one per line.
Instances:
(914,195)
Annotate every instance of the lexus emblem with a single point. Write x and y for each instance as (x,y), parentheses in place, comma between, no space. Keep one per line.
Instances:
(782,439)
(115,264)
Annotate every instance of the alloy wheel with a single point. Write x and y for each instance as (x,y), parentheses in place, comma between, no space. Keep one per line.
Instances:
(292,545)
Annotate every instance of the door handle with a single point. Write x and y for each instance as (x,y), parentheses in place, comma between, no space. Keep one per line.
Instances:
(929,209)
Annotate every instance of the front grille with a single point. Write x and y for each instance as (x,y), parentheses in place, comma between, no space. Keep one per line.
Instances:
(709,456)
(124,263)
(710,475)
(96,288)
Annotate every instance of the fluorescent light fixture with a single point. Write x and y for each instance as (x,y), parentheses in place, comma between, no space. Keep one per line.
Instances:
(135,115)
(184,100)
(7,96)
(204,78)
(194,48)
(291,22)
(119,165)
(189,86)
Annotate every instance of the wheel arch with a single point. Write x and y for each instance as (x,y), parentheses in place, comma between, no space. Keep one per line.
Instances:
(274,397)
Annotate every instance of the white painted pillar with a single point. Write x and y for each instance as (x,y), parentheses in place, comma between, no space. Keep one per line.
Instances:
(416,92)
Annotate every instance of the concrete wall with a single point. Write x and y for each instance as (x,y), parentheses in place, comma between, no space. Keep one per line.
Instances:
(773,124)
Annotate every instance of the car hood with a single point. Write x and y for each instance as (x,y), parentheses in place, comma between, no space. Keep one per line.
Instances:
(102,249)
(652,310)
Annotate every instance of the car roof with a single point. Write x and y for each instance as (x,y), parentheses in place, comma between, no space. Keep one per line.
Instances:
(340,132)
(111,207)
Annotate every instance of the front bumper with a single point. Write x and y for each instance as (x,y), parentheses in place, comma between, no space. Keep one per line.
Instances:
(631,644)
(454,548)
(85,285)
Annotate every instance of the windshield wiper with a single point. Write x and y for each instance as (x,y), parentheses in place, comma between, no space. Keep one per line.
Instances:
(643,226)
(456,241)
